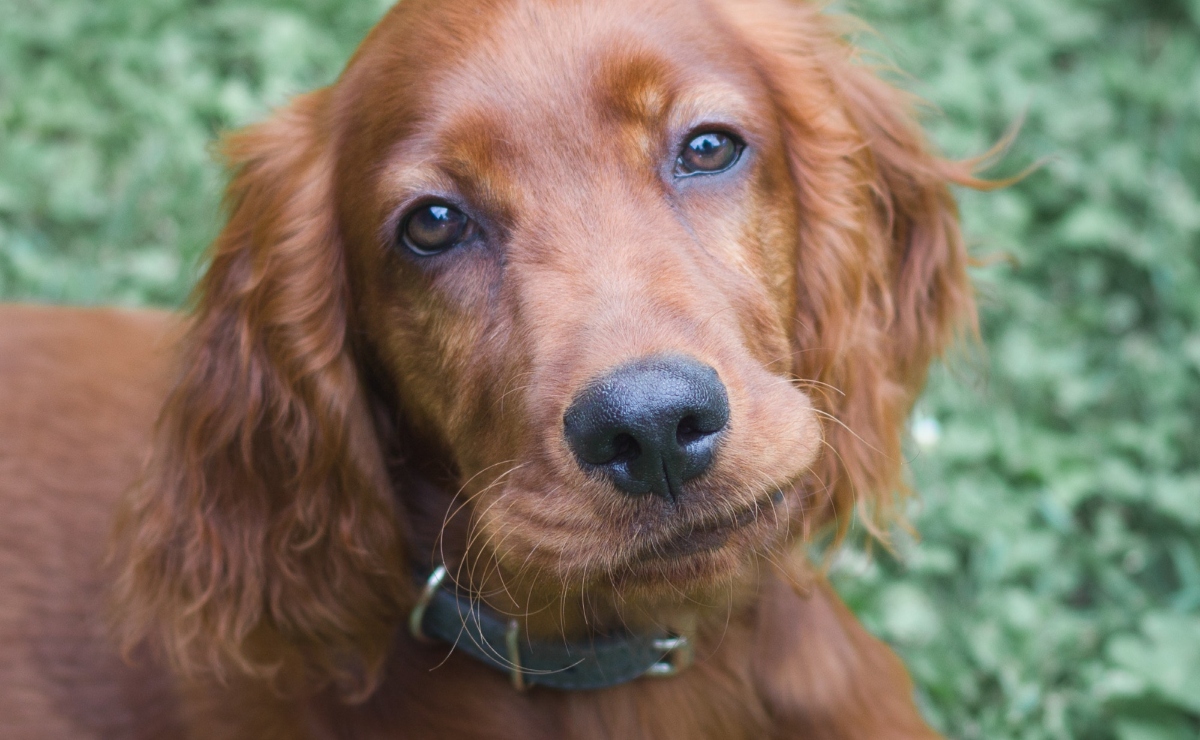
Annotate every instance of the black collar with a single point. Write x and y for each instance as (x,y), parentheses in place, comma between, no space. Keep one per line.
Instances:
(444,613)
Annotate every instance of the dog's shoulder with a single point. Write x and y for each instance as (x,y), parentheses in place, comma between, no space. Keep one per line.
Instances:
(79,390)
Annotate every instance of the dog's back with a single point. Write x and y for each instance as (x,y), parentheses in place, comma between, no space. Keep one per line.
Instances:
(79,390)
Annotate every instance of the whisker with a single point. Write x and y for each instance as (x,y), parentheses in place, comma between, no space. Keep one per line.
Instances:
(452,511)
(818,383)
(839,422)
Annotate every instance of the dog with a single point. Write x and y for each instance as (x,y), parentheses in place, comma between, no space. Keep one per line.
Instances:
(534,350)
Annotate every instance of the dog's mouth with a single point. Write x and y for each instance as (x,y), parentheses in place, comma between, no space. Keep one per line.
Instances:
(704,537)
(672,551)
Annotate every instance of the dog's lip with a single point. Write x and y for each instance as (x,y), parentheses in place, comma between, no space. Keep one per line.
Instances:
(698,538)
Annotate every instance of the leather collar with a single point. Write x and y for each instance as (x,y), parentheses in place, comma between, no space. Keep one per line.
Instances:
(445,613)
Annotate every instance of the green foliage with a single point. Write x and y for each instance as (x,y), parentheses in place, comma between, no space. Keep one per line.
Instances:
(1056,590)
(109,191)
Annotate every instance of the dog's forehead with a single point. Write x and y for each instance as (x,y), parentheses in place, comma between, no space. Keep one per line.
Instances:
(546,53)
(503,73)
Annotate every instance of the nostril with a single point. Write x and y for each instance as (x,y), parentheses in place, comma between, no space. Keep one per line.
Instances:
(625,449)
(689,431)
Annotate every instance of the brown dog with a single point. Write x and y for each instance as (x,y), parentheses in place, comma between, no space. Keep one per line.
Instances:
(602,305)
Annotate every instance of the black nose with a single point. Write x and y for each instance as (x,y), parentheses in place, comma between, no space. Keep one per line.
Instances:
(649,425)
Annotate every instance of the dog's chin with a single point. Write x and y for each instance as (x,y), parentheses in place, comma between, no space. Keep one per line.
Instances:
(688,562)
(652,565)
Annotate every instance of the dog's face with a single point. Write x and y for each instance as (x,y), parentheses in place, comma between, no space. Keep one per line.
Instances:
(623,267)
(572,236)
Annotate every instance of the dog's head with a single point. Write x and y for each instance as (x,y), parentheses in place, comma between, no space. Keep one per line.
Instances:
(608,297)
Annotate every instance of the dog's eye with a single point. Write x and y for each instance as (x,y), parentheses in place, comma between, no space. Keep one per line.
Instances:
(434,228)
(709,152)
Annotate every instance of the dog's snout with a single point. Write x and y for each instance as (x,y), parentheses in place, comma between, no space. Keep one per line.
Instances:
(649,425)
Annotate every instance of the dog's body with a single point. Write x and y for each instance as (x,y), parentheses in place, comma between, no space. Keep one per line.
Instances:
(79,391)
(567,296)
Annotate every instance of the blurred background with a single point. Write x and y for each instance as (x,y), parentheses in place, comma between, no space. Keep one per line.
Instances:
(1055,590)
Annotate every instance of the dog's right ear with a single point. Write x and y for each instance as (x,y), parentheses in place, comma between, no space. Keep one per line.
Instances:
(264,537)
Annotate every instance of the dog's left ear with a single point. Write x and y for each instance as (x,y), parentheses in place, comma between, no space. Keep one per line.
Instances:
(881,282)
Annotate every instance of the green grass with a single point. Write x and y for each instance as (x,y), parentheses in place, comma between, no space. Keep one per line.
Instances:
(1056,590)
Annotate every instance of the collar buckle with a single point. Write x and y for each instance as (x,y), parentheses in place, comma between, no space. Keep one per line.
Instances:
(516,673)
(416,618)
(678,658)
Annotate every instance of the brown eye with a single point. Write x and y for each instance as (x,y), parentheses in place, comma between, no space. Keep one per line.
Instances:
(434,228)
(707,153)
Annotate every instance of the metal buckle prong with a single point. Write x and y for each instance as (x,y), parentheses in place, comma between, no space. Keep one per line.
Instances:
(417,616)
(679,656)
(512,644)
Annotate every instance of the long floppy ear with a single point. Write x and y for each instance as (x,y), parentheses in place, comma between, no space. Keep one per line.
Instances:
(263,537)
(881,266)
